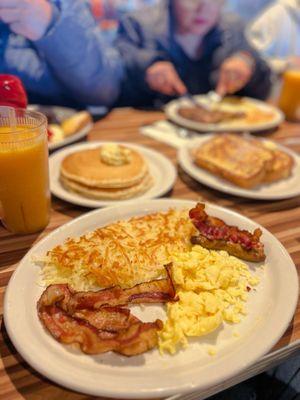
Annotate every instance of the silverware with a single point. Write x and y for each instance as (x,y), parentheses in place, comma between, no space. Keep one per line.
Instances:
(213,97)
(195,102)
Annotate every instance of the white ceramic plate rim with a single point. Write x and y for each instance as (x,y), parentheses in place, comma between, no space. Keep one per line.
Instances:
(171,111)
(168,173)
(204,177)
(268,337)
(82,133)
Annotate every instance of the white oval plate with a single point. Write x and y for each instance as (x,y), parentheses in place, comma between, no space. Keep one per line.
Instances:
(62,113)
(171,111)
(270,309)
(161,169)
(283,189)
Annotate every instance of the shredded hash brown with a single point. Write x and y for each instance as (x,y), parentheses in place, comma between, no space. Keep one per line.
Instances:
(123,253)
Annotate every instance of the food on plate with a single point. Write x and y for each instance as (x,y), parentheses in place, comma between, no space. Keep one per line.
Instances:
(95,330)
(68,127)
(156,291)
(207,116)
(123,253)
(231,110)
(76,122)
(244,161)
(170,258)
(282,165)
(212,288)
(109,172)
(217,235)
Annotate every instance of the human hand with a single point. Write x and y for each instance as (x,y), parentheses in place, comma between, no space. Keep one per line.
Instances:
(236,71)
(162,77)
(29,18)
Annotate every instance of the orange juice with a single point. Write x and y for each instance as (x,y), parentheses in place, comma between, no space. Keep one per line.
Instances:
(24,181)
(289,100)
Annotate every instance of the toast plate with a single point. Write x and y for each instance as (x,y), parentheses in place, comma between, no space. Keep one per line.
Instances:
(283,189)
(270,309)
(161,169)
(171,111)
(60,114)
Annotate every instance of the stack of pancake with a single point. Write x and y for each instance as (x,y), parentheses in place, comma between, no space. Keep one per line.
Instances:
(90,175)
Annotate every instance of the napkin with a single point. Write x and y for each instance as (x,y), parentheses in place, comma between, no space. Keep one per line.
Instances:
(168,133)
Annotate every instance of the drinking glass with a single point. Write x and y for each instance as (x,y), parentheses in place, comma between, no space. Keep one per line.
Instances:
(24,173)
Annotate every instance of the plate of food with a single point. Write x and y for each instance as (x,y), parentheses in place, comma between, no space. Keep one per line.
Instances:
(120,300)
(235,114)
(243,166)
(65,125)
(100,174)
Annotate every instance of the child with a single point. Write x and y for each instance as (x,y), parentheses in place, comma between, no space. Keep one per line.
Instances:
(178,46)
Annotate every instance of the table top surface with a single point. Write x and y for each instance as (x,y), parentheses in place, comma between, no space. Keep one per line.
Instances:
(17,379)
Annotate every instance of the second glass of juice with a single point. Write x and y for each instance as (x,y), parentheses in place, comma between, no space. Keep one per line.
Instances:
(289,100)
(24,174)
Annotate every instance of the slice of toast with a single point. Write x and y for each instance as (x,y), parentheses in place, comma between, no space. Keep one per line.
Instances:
(236,159)
(281,168)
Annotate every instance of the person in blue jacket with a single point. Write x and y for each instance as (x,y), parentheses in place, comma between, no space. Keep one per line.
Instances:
(57,50)
(180,46)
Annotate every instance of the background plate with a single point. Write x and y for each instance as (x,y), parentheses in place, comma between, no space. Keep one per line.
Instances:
(171,111)
(60,114)
(161,169)
(270,309)
(284,189)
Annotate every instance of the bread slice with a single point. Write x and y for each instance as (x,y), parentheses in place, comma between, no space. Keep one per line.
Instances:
(281,168)
(75,123)
(236,159)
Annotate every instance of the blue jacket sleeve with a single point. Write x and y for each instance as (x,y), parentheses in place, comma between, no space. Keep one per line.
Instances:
(89,69)
(138,46)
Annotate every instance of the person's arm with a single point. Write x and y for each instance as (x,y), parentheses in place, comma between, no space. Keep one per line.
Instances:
(234,43)
(139,51)
(88,68)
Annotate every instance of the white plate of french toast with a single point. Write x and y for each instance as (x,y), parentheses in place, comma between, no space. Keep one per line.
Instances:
(243,166)
(234,114)
(98,174)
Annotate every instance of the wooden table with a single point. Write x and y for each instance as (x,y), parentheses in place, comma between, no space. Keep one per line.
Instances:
(19,381)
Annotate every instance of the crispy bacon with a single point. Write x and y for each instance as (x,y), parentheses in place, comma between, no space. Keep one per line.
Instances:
(158,291)
(216,234)
(98,322)
(111,319)
(138,338)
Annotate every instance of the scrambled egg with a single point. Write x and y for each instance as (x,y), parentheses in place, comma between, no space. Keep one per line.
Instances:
(212,287)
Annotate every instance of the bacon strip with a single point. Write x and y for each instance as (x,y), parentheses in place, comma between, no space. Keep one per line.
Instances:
(158,291)
(96,321)
(136,339)
(216,234)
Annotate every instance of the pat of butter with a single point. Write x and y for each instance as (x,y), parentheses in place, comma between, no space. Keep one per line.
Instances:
(113,154)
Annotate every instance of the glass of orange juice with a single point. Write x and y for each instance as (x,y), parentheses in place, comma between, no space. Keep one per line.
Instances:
(24,175)
(289,100)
